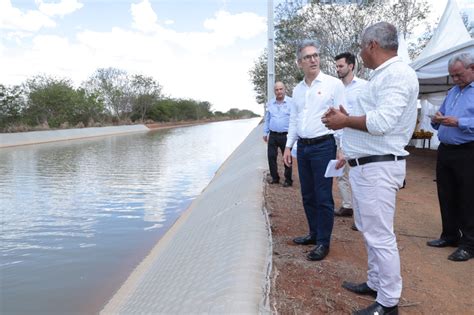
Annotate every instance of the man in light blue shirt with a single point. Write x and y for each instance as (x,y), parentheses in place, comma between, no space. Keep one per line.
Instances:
(275,129)
(454,167)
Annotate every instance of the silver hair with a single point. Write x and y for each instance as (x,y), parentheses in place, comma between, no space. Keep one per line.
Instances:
(465,58)
(306,43)
(384,33)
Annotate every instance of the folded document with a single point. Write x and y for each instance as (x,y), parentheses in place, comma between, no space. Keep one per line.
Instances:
(331,170)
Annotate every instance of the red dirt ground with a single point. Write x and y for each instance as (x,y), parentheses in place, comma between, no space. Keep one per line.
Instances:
(431,283)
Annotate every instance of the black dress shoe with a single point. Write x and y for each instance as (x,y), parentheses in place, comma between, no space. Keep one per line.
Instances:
(359,288)
(287,184)
(273,181)
(441,242)
(354,227)
(343,212)
(304,240)
(377,309)
(318,253)
(461,255)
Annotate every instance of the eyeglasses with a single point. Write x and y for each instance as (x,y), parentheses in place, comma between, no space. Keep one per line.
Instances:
(309,57)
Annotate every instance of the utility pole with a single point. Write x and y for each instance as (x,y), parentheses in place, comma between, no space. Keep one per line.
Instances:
(270,53)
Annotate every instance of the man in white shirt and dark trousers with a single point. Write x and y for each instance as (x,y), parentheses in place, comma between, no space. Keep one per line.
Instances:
(345,64)
(312,97)
(374,138)
(275,129)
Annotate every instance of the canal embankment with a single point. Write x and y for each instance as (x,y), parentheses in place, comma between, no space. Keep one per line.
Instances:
(216,258)
(35,137)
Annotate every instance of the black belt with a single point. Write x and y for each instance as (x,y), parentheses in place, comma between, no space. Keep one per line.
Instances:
(315,140)
(374,158)
(278,133)
(459,146)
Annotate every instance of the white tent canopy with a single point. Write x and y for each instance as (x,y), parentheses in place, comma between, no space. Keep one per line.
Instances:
(450,37)
(431,66)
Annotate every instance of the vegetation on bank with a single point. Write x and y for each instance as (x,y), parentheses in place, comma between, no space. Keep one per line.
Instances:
(337,26)
(109,97)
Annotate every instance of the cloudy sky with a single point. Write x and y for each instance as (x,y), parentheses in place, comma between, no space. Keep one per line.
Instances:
(200,49)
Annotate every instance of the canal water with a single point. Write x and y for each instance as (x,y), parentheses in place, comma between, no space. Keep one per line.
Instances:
(78,216)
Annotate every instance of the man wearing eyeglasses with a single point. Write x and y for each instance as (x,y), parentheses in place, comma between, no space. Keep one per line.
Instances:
(316,146)
(454,166)
(375,135)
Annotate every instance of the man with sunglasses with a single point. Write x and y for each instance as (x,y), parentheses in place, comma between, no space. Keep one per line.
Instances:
(316,146)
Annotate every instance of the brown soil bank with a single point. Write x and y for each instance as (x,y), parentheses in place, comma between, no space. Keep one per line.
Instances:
(431,283)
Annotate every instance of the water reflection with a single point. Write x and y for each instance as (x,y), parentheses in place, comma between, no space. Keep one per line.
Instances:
(78,216)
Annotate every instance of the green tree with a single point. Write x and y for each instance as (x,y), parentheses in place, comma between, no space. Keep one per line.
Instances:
(11,105)
(113,88)
(162,110)
(50,100)
(337,27)
(89,108)
(145,91)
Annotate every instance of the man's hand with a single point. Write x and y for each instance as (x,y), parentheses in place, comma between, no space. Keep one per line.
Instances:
(265,138)
(449,121)
(335,118)
(437,118)
(287,157)
(340,159)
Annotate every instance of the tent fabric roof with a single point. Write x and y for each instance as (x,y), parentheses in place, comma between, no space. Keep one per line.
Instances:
(449,32)
(450,37)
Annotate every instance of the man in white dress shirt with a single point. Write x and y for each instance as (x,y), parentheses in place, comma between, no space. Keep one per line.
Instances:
(375,135)
(345,64)
(312,97)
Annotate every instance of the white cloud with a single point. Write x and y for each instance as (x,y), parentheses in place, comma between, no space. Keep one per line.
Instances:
(14,19)
(144,18)
(211,65)
(243,25)
(62,8)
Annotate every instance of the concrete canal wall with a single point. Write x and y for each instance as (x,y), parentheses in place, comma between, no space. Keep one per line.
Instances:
(216,259)
(33,137)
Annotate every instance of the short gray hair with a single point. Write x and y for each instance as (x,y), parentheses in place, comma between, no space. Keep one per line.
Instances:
(303,44)
(384,33)
(465,58)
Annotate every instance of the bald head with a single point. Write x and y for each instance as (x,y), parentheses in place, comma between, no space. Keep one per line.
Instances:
(280,91)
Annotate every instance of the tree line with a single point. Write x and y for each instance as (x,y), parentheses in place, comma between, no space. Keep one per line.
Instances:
(109,97)
(337,26)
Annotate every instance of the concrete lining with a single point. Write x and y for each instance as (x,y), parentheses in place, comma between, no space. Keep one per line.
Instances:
(216,258)
(33,137)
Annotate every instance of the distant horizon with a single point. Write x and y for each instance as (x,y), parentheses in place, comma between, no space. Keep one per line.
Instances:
(203,52)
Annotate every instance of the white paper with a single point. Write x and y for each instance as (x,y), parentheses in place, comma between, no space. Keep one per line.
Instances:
(331,170)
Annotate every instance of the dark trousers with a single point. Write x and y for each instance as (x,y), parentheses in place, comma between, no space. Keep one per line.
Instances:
(275,142)
(455,181)
(316,190)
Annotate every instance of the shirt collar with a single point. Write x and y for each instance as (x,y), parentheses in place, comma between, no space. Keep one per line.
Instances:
(276,102)
(320,78)
(385,65)
(354,80)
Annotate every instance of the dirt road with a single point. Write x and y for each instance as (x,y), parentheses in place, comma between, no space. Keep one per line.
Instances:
(431,283)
